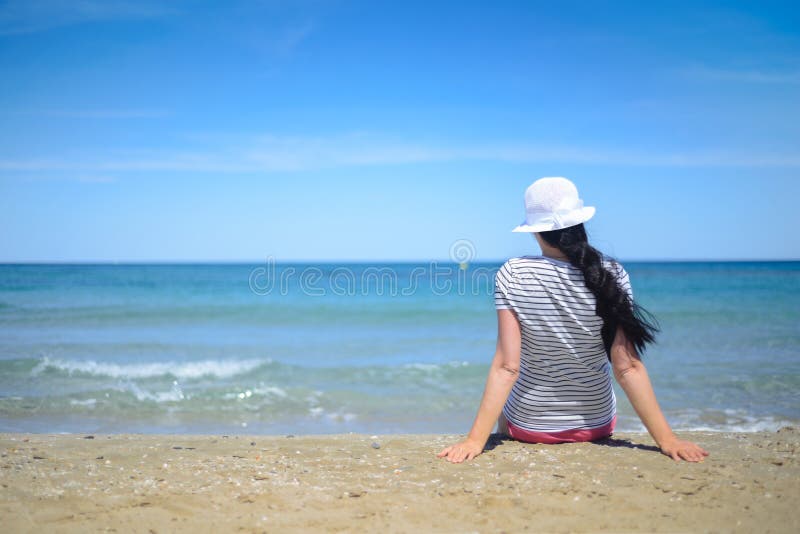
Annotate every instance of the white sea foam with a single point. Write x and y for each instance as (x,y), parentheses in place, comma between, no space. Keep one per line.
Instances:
(271,390)
(87,402)
(341,417)
(336,416)
(735,421)
(264,391)
(173,395)
(692,420)
(432,367)
(182,370)
(423,366)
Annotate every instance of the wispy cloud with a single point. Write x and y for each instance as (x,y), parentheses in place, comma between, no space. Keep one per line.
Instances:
(292,36)
(96,179)
(705,73)
(30,16)
(273,40)
(288,154)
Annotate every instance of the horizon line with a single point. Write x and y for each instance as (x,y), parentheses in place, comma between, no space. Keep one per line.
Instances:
(370,261)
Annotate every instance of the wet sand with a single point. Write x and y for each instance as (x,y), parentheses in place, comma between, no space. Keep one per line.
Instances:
(394,483)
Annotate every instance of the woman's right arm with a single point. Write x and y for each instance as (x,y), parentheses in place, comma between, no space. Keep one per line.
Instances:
(502,374)
(631,375)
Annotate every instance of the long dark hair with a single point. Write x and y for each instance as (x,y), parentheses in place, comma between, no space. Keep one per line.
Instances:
(614,305)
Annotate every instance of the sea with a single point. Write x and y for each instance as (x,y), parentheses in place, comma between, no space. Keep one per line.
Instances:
(268,348)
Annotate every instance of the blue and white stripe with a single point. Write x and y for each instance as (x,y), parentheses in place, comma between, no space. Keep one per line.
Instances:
(564,380)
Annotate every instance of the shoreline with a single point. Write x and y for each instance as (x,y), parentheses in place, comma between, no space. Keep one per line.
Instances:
(346,482)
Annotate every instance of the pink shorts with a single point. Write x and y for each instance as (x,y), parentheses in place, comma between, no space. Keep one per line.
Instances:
(564,436)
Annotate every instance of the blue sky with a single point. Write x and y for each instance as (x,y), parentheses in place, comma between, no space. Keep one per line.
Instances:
(333,130)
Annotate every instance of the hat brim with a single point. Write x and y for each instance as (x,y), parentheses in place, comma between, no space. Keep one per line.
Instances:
(584,215)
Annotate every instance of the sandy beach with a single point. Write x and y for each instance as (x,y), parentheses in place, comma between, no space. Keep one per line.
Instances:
(394,483)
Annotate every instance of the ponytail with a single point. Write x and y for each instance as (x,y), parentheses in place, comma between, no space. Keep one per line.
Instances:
(614,304)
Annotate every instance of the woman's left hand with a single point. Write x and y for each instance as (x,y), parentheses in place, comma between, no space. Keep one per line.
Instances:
(466,450)
(678,449)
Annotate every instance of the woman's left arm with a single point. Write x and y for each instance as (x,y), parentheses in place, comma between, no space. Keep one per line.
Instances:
(631,374)
(502,375)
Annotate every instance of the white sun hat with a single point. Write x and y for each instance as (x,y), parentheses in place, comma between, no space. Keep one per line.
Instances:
(552,204)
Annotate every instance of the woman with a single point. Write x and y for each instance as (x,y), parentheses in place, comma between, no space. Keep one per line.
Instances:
(566,319)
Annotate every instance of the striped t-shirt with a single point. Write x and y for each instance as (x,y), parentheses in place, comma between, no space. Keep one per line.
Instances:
(564,378)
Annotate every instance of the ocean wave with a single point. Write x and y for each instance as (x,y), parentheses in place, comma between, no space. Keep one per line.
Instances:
(336,416)
(694,420)
(175,394)
(85,402)
(729,421)
(264,391)
(181,370)
(433,367)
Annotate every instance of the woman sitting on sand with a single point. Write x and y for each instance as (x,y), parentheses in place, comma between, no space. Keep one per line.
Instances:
(565,320)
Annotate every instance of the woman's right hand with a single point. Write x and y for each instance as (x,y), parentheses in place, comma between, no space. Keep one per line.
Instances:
(466,450)
(678,449)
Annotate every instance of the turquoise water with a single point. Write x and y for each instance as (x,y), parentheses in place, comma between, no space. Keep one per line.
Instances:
(358,347)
